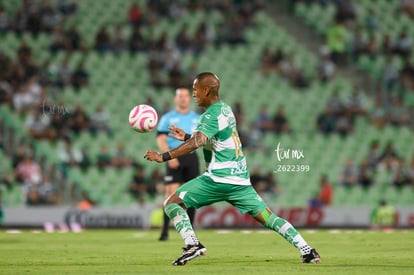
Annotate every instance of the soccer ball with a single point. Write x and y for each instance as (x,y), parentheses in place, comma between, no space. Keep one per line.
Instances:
(143,118)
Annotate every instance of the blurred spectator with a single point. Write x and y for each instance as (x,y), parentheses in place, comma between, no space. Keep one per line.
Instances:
(32,195)
(28,171)
(42,193)
(280,121)
(407,75)
(38,125)
(398,114)
(182,41)
(19,154)
(354,104)
(104,158)
(272,186)
(59,41)
(86,161)
(67,7)
(80,77)
(171,58)
(6,179)
(238,112)
(103,40)
(121,158)
(86,202)
(156,183)
(378,113)
(298,79)
(135,15)
(411,112)
(78,120)
(4,20)
(371,21)
(50,17)
(22,99)
(100,121)
(387,46)
(138,187)
(326,122)
(257,180)
(365,173)
(390,73)
(64,74)
(344,124)
(403,44)
(118,39)
(407,6)
(373,47)
(325,195)
(345,10)
(349,174)
(34,21)
(69,155)
(266,61)
(389,157)
(326,69)
(337,39)
(264,122)
(383,217)
(175,76)
(335,103)
(287,66)
(74,40)
(234,30)
(410,172)
(398,174)
(58,121)
(374,154)
(136,41)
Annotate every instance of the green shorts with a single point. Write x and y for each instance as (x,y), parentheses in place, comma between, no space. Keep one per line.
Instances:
(202,191)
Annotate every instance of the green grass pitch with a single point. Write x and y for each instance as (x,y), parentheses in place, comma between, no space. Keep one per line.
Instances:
(228,252)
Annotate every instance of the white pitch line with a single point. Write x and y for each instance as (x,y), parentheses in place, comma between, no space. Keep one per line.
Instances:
(139,235)
(262,231)
(224,231)
(13,231)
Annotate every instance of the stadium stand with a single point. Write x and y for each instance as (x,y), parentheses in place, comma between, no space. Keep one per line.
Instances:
(119,80)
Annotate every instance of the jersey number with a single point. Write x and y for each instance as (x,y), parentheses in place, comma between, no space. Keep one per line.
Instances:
(237,143)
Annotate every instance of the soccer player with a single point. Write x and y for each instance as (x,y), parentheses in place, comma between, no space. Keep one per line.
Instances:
(226,177)
(186,167)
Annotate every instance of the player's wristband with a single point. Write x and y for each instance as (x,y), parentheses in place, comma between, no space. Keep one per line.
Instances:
(187,137)
(166,156)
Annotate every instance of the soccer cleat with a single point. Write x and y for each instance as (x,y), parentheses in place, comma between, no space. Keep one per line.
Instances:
(190,252)
(312,258)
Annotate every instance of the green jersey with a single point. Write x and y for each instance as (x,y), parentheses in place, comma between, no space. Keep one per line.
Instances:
(223,151)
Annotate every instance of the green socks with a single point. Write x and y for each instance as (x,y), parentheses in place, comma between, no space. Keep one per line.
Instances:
(287,231)
(181,222)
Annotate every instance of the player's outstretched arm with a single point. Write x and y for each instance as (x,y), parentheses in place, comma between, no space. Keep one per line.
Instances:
(190,145)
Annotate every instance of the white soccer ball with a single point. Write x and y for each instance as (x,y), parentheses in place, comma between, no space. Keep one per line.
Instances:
(143,118)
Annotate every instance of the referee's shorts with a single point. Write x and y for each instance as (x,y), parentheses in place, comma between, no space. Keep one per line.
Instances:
(188,169)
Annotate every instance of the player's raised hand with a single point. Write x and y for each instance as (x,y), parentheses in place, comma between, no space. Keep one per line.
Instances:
(153,156)
(176,132)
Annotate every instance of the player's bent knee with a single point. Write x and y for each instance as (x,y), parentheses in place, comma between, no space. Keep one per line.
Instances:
(173,198)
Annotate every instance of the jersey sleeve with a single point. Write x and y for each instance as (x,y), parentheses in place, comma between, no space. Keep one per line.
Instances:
(163,125)
(208,124)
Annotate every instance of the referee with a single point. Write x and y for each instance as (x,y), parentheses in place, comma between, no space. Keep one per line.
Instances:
(181,169)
